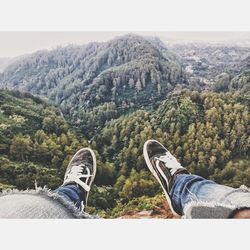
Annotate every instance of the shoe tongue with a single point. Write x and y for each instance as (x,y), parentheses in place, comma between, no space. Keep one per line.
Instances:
(85,171)
(81,158)
(153,160)
(84,165)
(177,168)
(159,157)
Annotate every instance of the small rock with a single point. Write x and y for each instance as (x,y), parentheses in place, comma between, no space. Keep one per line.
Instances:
(145,213)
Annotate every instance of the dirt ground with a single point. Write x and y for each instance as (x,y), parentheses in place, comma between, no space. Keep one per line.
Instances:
(161,212)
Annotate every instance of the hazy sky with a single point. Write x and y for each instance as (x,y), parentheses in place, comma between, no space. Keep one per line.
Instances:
(17,43)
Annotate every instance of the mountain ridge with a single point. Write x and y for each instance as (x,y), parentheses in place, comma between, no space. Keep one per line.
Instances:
(128,71)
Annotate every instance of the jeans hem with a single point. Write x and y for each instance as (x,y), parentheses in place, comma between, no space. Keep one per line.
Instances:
(226,209)
(51,195)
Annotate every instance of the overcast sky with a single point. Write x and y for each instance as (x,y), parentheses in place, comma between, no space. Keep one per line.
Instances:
(17,43)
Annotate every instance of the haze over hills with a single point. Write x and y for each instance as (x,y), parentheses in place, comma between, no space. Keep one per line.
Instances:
(13,44)
(79,66)
(4,63)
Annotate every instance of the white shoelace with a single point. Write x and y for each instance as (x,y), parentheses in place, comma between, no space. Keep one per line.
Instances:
(74,175)
(169,161)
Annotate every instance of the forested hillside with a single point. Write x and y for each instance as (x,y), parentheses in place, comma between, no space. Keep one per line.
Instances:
(35,141)
(127,72)
(241,82)
(208,133)
(207,64)
(113,97)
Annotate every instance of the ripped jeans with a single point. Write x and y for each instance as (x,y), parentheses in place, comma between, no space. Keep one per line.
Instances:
(188,188)
(70,193)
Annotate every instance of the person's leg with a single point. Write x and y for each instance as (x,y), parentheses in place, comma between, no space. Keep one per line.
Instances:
(181,188)
(67,201)
(71,193)
(187,188)
(164,166)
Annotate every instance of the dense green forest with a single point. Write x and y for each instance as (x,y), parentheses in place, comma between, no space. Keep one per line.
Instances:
(207,132)
(34,141)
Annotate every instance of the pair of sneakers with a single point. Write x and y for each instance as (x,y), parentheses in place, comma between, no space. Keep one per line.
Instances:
(163,165)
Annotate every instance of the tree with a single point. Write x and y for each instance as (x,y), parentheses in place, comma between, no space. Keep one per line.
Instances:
(131,83)
(139,184)
(21,147)
(138,85)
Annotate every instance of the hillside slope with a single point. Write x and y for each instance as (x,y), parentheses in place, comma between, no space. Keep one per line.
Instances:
(206,64)
(35,142)
(95,73)
(208,133)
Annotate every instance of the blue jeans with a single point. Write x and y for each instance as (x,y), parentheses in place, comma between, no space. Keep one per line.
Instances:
(189,188)
(71,193)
